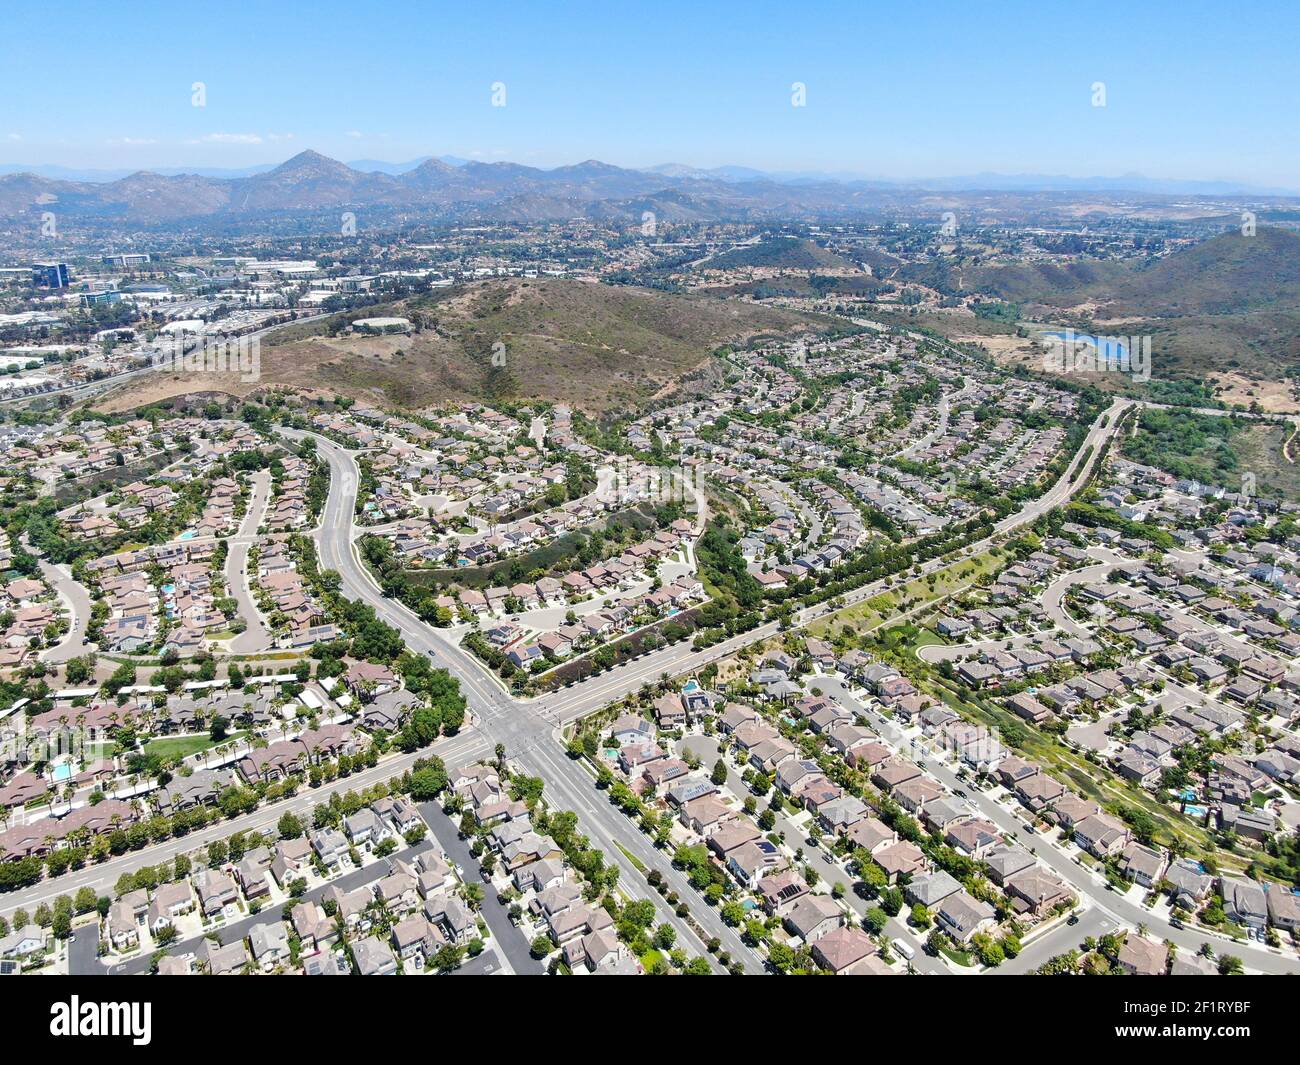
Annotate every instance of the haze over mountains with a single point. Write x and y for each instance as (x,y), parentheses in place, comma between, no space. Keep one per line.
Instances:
(510,191)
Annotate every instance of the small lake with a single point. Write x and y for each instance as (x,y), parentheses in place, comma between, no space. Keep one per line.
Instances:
(1109,348)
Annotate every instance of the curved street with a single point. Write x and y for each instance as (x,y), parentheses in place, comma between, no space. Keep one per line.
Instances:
(529,728)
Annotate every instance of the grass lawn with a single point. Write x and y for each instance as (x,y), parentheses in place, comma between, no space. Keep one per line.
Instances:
(924,638)
(958,957)
(870,613)
(183,746)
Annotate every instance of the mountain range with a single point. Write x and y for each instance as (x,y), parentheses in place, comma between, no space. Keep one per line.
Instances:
(504,191)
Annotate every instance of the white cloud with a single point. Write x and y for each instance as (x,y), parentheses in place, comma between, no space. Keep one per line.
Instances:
(231,138)
(132,141)
(239,138)
(355,133)
(15,136)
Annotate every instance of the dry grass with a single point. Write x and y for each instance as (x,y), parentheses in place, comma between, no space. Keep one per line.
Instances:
(597,347)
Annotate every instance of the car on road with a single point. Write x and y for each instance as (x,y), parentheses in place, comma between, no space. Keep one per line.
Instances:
(905,949)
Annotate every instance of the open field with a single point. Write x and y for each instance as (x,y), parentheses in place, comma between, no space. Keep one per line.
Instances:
(1259,452)
(870,613)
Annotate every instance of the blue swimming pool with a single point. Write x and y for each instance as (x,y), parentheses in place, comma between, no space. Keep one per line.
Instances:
(61,772)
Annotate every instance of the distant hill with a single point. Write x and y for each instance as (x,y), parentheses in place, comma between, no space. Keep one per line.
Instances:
(460,189)
(1046,283)
(784,253)
(1228,274)
(1229,305)
(597,347)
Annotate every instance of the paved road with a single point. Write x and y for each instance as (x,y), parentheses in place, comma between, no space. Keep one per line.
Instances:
(83,952)
(510,940)
(77,599)
(1054,594)
(456,750)
(256,637)
(1058,940)
(486,964)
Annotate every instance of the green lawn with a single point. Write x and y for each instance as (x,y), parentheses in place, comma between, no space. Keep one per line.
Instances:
(867,615)
(183,746)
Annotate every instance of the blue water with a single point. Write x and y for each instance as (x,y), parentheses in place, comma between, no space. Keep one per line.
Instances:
(169,588)
(1187,794)
(62,772)
(1112,349)
(187,535)
(690,686)
(1194,811)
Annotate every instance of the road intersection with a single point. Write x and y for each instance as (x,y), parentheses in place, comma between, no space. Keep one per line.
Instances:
(531,729)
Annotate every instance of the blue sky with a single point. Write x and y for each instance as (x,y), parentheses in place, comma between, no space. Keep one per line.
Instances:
(1193,90)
